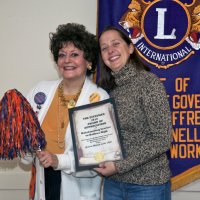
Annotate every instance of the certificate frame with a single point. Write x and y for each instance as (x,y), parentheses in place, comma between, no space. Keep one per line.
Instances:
(96,134)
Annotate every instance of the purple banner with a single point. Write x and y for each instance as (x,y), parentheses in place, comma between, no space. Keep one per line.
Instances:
(166,34)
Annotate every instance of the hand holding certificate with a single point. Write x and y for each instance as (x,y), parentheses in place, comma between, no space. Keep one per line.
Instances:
(95,134)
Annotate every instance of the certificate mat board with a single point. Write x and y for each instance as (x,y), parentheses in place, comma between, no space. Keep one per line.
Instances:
(95,134)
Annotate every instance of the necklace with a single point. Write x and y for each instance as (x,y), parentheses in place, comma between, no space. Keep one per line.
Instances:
(61,126)
(69,103)
(66,103)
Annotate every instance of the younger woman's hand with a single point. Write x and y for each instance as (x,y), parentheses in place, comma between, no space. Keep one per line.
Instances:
(106,168)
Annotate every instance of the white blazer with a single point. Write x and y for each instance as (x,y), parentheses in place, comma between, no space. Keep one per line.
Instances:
(83,185)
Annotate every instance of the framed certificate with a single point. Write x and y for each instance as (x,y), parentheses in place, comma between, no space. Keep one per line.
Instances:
(95,134)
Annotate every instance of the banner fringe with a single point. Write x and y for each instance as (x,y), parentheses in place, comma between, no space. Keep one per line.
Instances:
(185,178)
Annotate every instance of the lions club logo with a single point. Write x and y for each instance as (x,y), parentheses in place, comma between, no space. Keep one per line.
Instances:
(165,33)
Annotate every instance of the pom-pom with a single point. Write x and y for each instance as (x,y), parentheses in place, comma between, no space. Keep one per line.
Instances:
(20,129)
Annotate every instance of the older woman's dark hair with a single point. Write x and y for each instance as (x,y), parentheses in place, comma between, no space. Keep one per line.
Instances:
(106,80)
(78,35)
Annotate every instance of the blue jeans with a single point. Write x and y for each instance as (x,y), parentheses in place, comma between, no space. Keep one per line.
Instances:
(114,190)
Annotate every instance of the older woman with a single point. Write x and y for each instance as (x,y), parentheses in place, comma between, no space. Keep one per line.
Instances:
(75,52)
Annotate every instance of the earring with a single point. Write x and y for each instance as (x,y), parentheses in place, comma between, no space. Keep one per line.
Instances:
(89,67)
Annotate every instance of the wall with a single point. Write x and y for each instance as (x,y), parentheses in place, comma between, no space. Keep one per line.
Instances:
(25,59)
(24,37)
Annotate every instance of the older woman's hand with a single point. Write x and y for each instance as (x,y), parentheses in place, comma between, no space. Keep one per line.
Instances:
(47,159)
(106,168)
